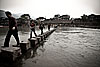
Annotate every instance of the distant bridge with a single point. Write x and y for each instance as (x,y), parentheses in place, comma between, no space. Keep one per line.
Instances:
(58,22)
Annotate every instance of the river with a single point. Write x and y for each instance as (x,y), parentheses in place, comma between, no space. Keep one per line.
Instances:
(66,47)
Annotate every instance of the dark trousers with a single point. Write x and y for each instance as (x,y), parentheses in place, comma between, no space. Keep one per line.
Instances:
(33,29)
(7,39)
(49,28)
(41,31)
(41,28)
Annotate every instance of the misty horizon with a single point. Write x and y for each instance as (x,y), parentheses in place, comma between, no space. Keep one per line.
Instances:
(47,9)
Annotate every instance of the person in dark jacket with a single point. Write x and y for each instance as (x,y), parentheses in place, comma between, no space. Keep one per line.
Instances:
(49,27)
(41,26)
(12,30)
(32,26)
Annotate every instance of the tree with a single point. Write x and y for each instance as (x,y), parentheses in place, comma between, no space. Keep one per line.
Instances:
(57,16)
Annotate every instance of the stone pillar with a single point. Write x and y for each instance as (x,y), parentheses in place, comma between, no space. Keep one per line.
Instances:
(33,42)
(39,39)
(24,46)
(10,54)
(44,35)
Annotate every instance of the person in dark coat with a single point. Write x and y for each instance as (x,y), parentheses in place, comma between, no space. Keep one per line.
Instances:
(32,26)
(12,30)
(49,27)
(41,26)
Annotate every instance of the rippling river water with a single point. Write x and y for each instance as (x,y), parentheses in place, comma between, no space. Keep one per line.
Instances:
(66,47)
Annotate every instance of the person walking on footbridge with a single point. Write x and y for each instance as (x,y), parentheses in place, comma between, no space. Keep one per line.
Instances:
(32,26)
(41,26)
(49,27)
(12,30)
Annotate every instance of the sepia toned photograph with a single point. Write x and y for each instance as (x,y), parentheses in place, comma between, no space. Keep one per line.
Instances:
(49,33)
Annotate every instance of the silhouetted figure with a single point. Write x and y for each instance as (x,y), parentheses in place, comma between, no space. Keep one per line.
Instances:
(32,25)
(12,30)
(49,27)
(41,27)
(72,22)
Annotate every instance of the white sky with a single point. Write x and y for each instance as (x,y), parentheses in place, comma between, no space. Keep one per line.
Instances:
(48,8)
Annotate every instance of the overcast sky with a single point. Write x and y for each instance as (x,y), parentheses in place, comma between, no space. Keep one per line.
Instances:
(48,8)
